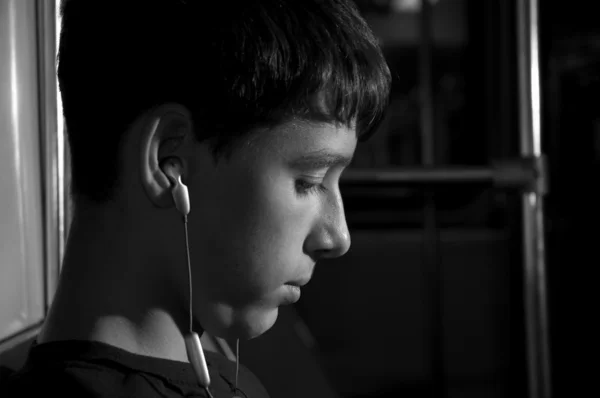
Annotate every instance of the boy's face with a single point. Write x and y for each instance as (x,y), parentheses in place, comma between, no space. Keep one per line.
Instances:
(261,220)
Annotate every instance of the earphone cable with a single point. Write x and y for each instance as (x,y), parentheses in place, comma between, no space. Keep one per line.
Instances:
(189,266)
(187,253)
(237,362)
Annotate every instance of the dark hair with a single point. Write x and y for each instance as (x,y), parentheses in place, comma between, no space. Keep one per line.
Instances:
(236,65)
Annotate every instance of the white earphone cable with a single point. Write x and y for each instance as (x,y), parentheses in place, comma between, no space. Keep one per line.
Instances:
(237,362)
(189,266)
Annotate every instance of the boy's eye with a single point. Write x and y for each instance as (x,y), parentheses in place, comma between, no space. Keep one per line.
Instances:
(304,187)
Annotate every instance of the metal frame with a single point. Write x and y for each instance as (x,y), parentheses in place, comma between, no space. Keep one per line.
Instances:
(52,170)
(52,222)
(536,315)
(528,174)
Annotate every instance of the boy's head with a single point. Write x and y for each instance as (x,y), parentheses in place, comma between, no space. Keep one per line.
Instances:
(259,100)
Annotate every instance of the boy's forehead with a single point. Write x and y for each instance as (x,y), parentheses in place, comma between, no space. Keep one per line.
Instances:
(310,134)
(310,142)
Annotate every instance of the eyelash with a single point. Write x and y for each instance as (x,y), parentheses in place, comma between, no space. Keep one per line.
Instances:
(304,187)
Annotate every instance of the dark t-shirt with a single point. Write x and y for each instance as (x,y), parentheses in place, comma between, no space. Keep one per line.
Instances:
(94,369)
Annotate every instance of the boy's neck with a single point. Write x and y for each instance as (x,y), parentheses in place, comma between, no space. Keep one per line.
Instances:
(108,293)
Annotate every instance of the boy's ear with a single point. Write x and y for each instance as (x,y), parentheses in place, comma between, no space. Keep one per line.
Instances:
(166,133)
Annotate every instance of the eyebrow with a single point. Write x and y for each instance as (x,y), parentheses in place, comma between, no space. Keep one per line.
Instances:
(319,160)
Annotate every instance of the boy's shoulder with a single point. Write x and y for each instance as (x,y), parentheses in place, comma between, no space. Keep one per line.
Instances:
(91,369)
(44,380)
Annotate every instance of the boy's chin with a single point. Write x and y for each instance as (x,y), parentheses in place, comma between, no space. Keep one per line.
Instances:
(245,324)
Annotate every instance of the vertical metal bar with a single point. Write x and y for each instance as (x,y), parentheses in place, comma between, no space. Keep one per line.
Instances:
(538,355)
(22,207)
(64,214)
(431,238)
(49,153)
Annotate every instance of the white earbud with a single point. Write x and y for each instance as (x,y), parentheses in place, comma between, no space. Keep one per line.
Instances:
(173,169)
